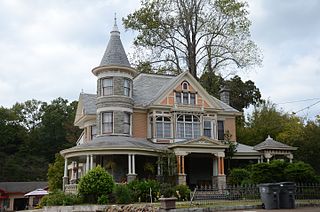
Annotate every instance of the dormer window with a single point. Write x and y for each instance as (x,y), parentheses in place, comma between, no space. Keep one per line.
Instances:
(107,86)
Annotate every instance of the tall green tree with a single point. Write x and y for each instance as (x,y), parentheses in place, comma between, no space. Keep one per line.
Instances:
(242,94)
(55,173)
(193,35)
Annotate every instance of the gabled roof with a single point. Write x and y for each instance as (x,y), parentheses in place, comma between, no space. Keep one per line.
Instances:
(269,143)
(89,103)
(21,187)
(147,88)
(115,54)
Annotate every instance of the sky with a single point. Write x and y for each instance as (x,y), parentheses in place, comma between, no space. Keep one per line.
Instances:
(48,49)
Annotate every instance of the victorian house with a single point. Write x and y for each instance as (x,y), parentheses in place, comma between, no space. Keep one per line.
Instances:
(134,118)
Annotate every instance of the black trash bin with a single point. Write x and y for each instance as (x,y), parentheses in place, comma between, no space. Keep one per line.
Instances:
(287,195)
(269,193)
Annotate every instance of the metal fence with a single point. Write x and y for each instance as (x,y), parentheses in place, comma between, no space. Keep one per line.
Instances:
(248,194)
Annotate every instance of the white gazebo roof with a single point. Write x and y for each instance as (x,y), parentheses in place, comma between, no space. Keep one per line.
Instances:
(37,192)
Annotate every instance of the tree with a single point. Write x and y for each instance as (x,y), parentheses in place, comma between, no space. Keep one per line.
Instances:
(55,173)
(193,35)
(95,183)
(242,94)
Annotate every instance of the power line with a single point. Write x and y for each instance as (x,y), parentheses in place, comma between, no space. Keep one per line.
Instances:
(302,100)
(308,107)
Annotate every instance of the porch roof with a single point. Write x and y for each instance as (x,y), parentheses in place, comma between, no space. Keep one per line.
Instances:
(22,187)
(116,143)
(202,142)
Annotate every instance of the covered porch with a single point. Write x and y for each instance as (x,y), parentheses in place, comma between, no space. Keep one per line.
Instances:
(200,162)
(125,158)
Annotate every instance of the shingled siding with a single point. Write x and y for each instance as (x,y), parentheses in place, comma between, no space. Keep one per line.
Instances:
(139,125)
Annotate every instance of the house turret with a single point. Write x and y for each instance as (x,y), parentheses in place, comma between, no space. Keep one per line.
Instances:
(114,89)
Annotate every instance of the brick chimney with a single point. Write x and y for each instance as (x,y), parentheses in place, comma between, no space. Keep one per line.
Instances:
(225,95)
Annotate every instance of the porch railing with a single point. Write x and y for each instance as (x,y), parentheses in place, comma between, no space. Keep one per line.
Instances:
(249,194)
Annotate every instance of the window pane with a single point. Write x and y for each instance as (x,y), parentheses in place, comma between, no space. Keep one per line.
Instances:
(167,130)
(185,86)
(196,119)
(192,99)
(126,87)
(180,130)
(207,124)
(185,98)
(107,90)
(207,129)
(188,118)
(178,98)
(159,129)
(93,131)
(107,82)
(126,123)
(107,123)
(220,130)
(188,133)
(196,130)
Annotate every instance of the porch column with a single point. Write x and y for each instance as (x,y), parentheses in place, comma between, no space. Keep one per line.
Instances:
(72,170)
(65,175)
(131,168)
(87,164)
(91,162)
(220,179)
(133,165)
(180,168)
(129,165)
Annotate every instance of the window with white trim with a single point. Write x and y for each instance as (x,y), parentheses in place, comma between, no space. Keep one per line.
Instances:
(185,98)
(126,123)
(188,126)
(207,128)
(107,86)
(107,122)
(127,87)
(163,127)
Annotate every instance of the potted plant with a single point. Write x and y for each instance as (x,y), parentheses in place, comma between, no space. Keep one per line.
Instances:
(167,200)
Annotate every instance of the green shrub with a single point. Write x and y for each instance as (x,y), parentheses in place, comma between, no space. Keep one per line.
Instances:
(95,183)
(238,176)
(166,190)
(141,190)
(182,192)
(300,172)
(60,198)
(123,194)
(103,199)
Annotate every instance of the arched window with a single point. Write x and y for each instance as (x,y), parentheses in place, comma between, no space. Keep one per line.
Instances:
(185,86)
(188,126)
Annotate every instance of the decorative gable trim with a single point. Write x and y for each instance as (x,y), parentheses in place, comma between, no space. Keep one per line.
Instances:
(186,76)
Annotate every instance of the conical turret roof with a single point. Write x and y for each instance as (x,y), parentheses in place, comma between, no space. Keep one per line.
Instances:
(115,54)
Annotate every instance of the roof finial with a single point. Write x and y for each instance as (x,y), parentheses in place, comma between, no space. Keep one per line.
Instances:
(115,29)
(115,19)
